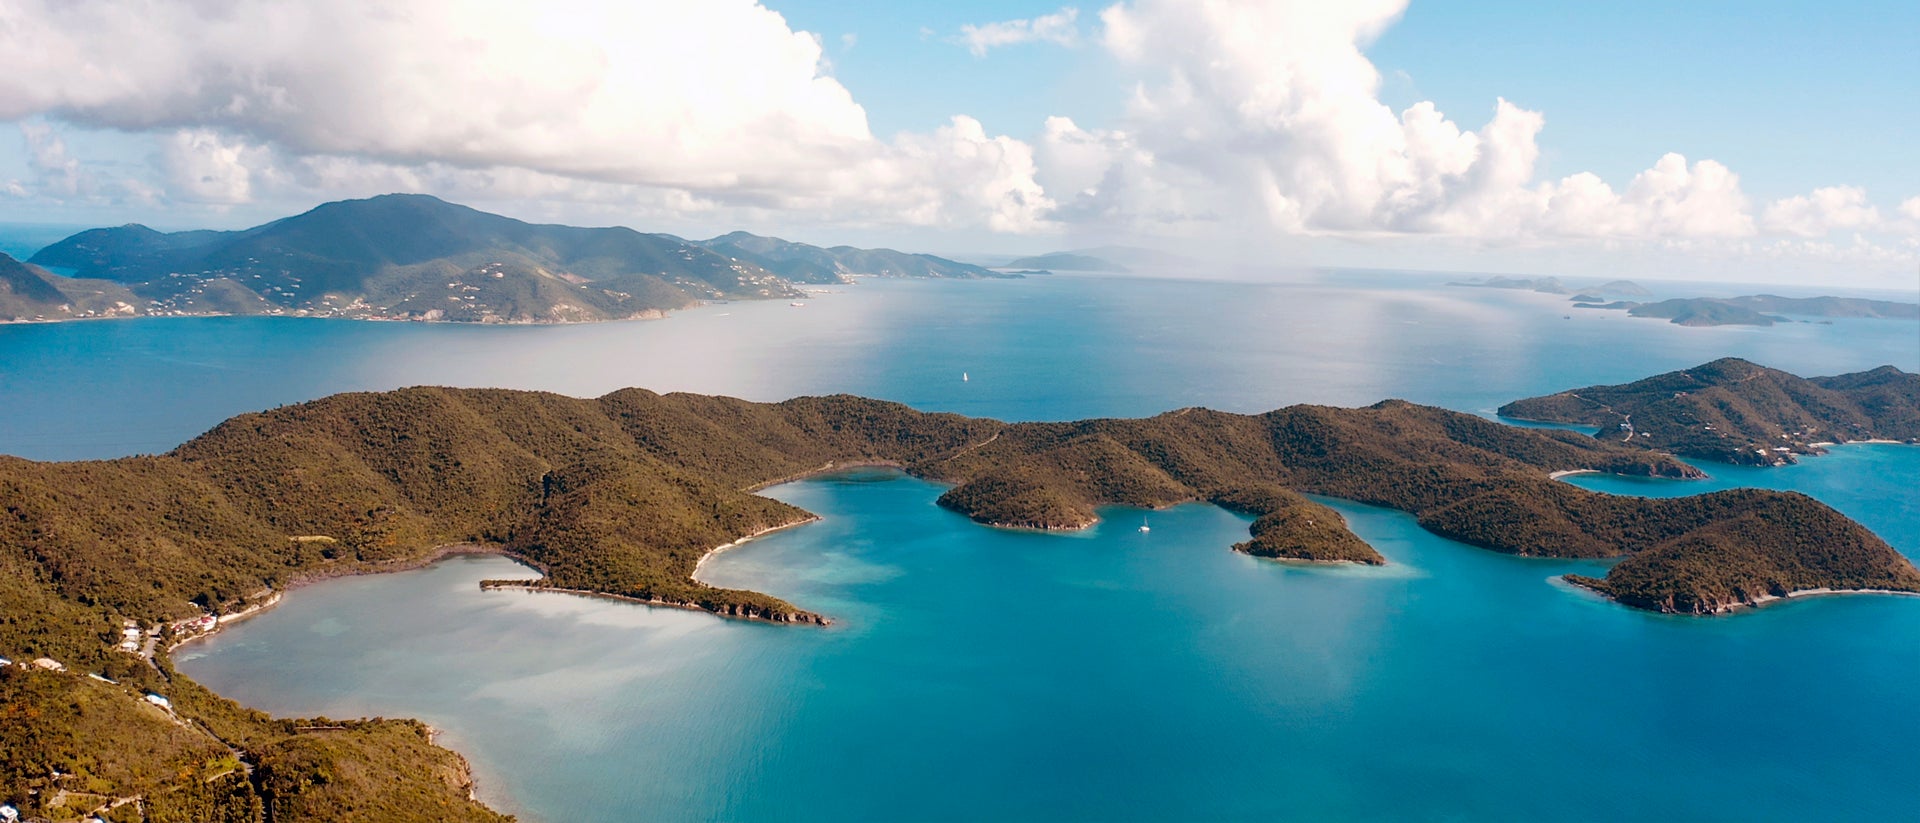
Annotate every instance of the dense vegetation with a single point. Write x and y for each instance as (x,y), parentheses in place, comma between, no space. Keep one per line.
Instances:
(417,257)
(1734,411)
(623,495)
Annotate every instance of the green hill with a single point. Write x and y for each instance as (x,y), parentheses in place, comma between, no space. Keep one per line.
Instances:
(412,256)
(1734,411)
(622,495)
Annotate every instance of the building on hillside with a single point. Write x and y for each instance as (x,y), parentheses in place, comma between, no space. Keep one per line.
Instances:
(157,700)
(50,664)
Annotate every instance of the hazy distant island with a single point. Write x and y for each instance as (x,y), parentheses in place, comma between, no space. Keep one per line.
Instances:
(1552,285)
(110,563)
(1755,309)
(1067,261)
(415,257)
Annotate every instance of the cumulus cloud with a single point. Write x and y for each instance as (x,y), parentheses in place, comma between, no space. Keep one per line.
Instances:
(1060,27)
(719,98)
(1822,212)
(1910,209)
(1274,107)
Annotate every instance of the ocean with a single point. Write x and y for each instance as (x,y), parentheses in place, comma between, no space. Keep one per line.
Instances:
(1108,675)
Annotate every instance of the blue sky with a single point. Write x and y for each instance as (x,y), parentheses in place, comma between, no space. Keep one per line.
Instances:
(1247,127)
(1794,95)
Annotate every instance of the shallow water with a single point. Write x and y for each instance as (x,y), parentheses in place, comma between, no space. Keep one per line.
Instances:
(984,674)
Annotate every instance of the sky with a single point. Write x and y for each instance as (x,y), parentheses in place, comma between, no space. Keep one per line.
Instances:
(1756,141)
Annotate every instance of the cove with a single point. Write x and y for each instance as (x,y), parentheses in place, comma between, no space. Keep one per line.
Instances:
(983,674)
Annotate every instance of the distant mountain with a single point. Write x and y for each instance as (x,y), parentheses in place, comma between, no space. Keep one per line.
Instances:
(1067,261)
(1737,412)
(1752,310)
(805,263)
(32,293)
(415,257)
(1624,288)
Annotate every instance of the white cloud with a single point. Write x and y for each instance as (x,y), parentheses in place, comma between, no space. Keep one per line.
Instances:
(204,166)
(1274,108)
(1910,209)
(1822,212)
(56,173)
(717,99)
(1060,27)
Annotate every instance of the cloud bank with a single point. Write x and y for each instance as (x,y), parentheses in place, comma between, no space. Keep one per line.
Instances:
(1243,118)
(719,99)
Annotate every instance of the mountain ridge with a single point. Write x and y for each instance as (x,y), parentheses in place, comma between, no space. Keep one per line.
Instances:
(416,257)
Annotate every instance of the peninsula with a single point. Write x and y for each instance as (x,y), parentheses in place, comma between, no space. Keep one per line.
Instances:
(623,495)
(415,257)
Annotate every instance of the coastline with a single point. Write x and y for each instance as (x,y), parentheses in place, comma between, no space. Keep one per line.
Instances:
(702,562)
(823,469)
(1733,608)
(274,597)
(1571,472)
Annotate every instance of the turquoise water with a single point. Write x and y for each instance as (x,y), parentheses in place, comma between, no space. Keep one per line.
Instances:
(978,674)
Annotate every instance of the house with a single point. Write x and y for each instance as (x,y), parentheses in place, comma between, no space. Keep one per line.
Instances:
(9,814)
(49,664)
(157,700)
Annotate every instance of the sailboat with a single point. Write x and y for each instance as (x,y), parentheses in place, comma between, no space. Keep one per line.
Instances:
(963,377)
(1144,528)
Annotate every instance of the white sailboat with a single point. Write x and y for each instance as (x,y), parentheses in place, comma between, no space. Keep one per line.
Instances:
(963,377)
(1144,528)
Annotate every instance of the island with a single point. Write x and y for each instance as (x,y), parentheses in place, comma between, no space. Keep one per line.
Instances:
(1553,285)
(1734,411)
(1067,261)
(416,257)
(1754,309)
(111,563)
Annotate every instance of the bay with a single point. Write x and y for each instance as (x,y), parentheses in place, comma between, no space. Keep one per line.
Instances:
(980,674)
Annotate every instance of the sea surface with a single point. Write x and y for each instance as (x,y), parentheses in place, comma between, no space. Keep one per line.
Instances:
(977,674)
(1044,348)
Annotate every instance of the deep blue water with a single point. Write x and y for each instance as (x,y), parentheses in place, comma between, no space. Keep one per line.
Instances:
(1038,349)
(979,674)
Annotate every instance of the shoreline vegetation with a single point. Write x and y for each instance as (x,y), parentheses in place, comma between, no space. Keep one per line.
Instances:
(626,495)
(1753,601)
